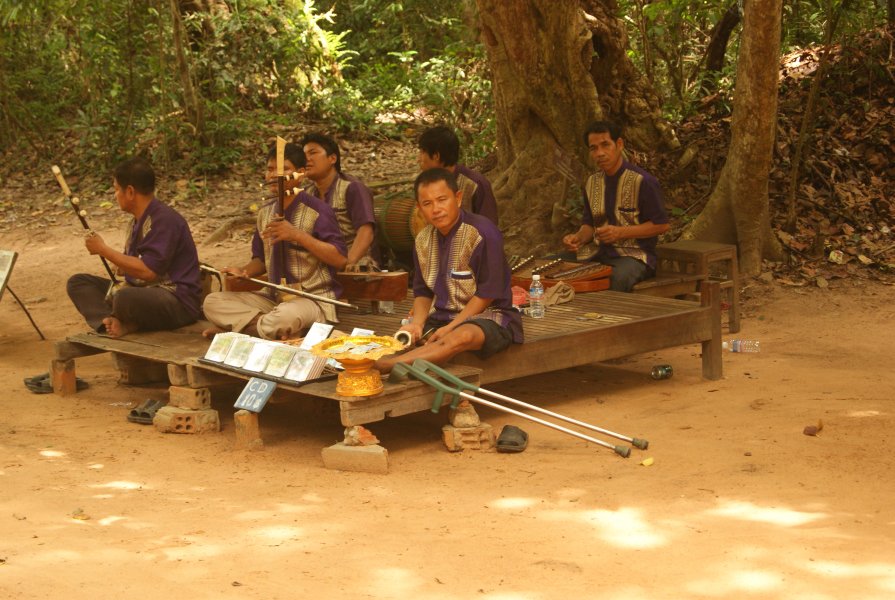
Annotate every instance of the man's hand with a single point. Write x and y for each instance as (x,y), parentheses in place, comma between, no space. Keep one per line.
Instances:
(95,243)
(235,272)
(280,230)
(609,234)
(571,242)
(415,330)
(439,333)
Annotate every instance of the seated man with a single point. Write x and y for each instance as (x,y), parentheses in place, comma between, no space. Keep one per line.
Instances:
(461,269)
(440,148)
(351,200)
(308,238)
(623,211)
(159,263)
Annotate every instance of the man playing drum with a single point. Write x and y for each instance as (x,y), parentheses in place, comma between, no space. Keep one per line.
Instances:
(159,263)
(460,270)
(623,211)
(314,250)
(440,148)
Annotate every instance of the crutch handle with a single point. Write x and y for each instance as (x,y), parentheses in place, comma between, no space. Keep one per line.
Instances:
(424,365)
(402,370)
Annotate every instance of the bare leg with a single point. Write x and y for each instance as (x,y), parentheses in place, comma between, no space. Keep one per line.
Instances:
(116,328)
(463,338)
(213,331)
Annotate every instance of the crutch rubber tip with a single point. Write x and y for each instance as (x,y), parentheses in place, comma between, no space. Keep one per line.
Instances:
(623,451)
(639,443)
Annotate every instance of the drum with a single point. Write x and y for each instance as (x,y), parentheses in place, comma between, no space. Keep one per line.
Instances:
(583,277)
(397,220)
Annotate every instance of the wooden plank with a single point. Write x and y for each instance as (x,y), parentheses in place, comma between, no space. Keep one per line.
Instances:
(593,345)
(159,346)
(66,350)
(710,292)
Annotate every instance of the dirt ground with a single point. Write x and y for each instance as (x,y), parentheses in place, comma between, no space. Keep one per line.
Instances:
(738,503)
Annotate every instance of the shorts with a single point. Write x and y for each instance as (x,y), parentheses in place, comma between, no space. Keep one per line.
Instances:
(497,338)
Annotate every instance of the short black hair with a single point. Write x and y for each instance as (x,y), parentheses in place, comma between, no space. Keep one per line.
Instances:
(138,173)
(327,143)
(609,127)
(432,176)
(293,153)
(442,140)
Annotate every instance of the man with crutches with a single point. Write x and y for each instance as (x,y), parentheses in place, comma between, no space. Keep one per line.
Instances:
(461,272)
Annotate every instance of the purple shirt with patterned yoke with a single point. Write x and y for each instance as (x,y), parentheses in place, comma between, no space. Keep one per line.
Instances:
(482,201)
(468,261)
(649,207)
(352,202)
(323,227)
(161,238)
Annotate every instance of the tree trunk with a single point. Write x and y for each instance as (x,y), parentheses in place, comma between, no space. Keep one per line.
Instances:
(626,96)
(717,46)
(808,116)
(541,57)
(191,101)
(737,211)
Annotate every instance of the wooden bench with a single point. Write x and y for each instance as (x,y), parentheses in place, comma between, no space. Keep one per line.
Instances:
(682,265)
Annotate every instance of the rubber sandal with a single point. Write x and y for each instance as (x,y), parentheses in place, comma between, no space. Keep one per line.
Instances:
(144,413)
(512,439)
(36,379)
(43,385)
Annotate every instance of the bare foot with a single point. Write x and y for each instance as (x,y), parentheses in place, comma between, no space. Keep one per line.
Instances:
(212,331)
(116,328)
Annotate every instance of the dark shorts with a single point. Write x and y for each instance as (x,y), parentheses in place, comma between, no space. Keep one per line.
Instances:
(497,338)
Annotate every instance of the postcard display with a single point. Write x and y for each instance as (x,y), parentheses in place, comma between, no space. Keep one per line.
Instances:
(274,360)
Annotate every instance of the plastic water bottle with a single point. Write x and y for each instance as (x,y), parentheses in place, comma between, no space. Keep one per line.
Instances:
(741,345)
(536,298)
(386,306)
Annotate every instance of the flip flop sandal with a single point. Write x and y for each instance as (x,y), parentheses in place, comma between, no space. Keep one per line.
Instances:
(144,413)
(45,386)
(36,379)
(512,439)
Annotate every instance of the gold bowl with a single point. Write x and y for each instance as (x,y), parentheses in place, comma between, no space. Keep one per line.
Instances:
(357,353)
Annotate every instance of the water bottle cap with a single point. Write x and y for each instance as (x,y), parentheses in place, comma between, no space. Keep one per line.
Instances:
(535,277)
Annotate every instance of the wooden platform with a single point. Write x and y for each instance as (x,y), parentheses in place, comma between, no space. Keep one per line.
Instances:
(593,327)
(627,324)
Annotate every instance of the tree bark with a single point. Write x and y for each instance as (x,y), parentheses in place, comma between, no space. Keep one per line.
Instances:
(626,96)
(542,55)
(717,46)
(737,211)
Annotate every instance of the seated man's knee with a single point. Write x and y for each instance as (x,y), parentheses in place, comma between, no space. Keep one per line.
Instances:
(465,337)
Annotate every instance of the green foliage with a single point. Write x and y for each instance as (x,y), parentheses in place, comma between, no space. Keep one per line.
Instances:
(103,77)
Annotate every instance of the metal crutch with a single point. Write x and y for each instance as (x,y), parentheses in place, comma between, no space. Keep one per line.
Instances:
(419,371)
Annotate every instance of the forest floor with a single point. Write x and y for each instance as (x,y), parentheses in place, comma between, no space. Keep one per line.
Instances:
(738,503)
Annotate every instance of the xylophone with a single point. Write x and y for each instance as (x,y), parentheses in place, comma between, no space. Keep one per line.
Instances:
(583,277)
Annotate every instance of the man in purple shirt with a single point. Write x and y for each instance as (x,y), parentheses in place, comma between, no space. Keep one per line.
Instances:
(159,263)
(624,213)
(461,282)
(307,237)
(351,200)
(440,148)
